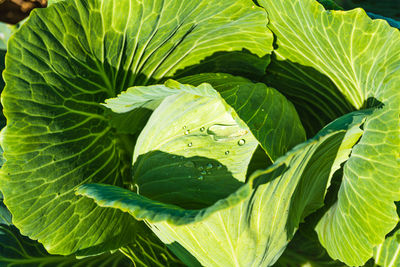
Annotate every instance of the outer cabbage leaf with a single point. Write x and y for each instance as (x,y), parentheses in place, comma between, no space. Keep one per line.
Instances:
(242,228)
(323,85)
(360,57)
(18,250)
(60,65)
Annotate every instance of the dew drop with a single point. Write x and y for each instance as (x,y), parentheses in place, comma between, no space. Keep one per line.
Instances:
(219,166)
(200,168)
(202,129)
(200,177)
(241,142)
(226,132)
(189,164)
(187,132)
(227,152)
(203,172)
(209,166)
(190,144)
(184,127)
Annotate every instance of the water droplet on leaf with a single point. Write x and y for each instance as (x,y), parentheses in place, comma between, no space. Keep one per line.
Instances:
(209,166)
(200,177)
(189,164)
(202,129)
(203,172)
(187,132)
(227,152)
(226,132)
(241,142)
(190,144)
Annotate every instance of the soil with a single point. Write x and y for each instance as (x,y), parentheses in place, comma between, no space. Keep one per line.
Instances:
(13,11)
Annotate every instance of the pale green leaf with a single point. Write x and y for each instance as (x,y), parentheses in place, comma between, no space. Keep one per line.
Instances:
(200,147)
(329,63)
(68,58)
(365,211)
(361,51)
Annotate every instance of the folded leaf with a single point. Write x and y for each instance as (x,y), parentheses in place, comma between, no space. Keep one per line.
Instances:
(243,229)
(63,62)
(200,150)
(365,211)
